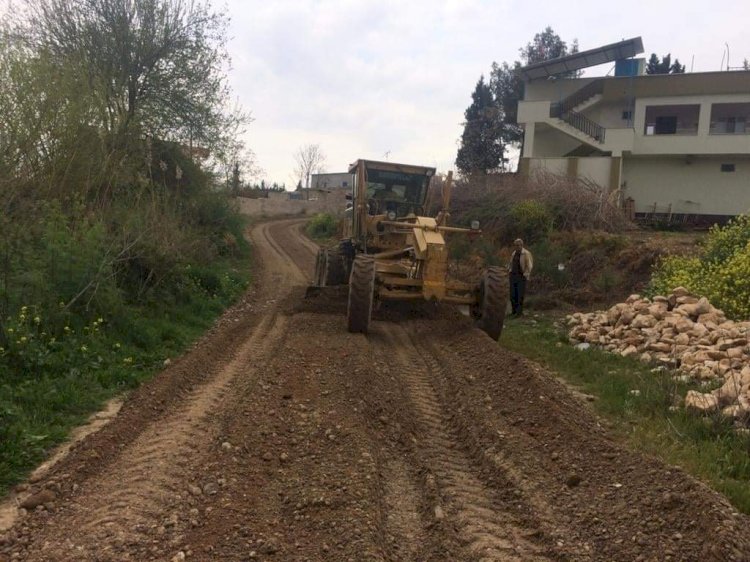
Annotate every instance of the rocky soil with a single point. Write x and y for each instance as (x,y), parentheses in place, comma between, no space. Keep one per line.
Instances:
(680,332)
(283,437)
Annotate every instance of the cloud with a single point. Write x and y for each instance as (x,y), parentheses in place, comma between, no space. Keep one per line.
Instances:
(364,77)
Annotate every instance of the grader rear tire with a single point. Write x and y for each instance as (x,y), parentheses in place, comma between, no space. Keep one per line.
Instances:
(361,294)
(490,310)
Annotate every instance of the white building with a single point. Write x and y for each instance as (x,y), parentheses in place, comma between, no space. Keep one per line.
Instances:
(676,145)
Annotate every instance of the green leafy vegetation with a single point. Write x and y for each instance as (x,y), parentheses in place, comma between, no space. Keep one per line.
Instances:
(721,272)
(580,254)
(322,226)
(119,243)
(639,404)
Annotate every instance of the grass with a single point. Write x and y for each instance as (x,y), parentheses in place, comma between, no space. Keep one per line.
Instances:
(648,420)
(38,407)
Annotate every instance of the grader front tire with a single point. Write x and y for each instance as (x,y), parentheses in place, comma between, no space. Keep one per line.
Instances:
(492,302)
(361,294)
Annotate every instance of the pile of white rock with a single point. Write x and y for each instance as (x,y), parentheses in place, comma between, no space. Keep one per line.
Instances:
(680,332)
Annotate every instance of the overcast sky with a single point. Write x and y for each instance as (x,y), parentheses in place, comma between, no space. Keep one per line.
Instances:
(366,77)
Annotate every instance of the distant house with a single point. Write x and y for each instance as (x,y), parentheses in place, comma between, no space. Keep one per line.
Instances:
(676,145)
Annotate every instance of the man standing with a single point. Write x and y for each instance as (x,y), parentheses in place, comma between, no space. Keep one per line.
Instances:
(521,263)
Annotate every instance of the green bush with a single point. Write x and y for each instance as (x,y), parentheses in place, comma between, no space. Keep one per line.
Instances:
(548,255)
(531,219)
(721,273)
(322,225)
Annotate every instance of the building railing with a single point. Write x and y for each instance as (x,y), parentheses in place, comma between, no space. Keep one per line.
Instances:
(585,125)
(575,99)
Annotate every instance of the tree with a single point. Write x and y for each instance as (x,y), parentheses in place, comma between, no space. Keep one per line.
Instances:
(309,160)
(147,66)
(664,65)
(507,84)
(545,46)
(482,146)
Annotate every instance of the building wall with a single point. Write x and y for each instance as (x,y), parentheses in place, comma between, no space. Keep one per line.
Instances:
(272,207)
(553,90)
(595,169)
(609,114)
(549,142)
(692,185)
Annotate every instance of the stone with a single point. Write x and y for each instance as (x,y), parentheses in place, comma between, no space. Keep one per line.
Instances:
(626,318)
(644,321)
(700,403)
(732,412)
(657,310)
(730,343)
(730,390)
(211,489)
(661,347)
(629,351)
(40,498)
(680,292)
(573,480)
(682,339)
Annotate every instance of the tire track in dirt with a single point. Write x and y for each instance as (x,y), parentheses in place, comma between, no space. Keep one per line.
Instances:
(401,521)
(123,506)
(490,533)
(501,465)
(115,510)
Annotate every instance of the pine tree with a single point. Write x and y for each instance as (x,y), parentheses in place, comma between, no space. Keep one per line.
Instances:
(652,67)
(507,85)
(664,66)
(482,147)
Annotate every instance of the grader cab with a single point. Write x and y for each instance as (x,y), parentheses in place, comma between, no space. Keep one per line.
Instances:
(392,251)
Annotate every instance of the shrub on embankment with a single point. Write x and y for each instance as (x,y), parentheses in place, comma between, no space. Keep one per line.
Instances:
(116,248)
(573,228)
(721,272)
(323,226)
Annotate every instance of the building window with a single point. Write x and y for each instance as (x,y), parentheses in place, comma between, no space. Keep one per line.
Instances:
(730,118)
(627,115)
(344,184)
(672,119)
(727,167)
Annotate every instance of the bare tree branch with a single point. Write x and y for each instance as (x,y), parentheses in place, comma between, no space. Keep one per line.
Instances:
(309,160)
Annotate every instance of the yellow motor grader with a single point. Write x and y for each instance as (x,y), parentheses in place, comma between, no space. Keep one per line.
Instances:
(391,251)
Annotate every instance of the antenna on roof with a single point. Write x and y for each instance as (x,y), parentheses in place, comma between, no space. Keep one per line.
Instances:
(387,154)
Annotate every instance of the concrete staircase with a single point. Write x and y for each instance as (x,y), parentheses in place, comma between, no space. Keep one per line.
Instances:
(567,115)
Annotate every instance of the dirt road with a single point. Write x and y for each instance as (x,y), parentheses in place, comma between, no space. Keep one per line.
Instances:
(280,436)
